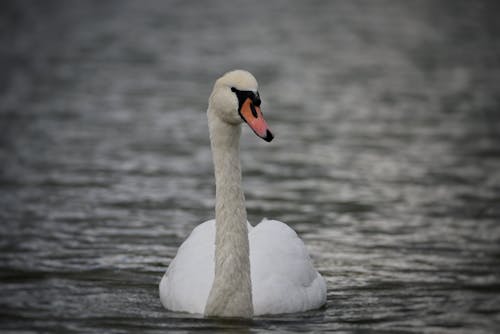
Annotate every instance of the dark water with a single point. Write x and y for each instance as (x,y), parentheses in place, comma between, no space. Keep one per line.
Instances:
(386,158)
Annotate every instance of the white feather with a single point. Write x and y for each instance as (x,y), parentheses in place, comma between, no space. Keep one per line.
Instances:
(283,278)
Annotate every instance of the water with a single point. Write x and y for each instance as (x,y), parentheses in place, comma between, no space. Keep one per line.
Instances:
(386,158)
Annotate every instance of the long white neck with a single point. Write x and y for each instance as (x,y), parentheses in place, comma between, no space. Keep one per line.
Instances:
(231,293)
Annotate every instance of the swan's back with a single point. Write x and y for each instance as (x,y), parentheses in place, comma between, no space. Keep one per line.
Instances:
(283,278)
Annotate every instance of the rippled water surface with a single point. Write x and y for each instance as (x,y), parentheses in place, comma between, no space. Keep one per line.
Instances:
(386,158)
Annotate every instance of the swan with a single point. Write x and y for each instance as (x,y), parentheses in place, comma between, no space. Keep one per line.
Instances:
(227,267)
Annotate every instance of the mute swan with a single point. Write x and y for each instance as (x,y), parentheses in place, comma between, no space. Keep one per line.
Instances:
(226,267)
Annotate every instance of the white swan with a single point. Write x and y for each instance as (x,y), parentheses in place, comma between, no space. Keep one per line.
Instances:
(226,267)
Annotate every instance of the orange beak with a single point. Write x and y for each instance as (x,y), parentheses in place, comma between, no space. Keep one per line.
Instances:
(252,115)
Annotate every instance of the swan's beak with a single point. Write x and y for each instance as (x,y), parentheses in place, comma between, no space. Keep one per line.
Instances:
(252,115)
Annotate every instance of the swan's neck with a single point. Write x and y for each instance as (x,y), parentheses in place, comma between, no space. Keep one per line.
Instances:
(231,293)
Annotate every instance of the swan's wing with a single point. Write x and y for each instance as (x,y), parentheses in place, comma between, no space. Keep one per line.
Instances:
(283,277)
(187,282)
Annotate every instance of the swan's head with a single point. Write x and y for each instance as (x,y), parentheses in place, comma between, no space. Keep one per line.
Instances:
(235,99)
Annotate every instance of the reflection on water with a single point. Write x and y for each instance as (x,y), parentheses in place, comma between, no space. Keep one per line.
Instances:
(386,158)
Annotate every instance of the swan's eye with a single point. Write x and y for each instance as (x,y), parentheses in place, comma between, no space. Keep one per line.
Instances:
(243,95)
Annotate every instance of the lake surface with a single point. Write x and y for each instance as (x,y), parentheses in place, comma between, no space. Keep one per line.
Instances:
(386,158)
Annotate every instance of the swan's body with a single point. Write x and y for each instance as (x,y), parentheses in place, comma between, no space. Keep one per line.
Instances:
(283,279)
(226,267)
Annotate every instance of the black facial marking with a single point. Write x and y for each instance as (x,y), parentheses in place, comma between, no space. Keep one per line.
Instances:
(243,95)
(256,99)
